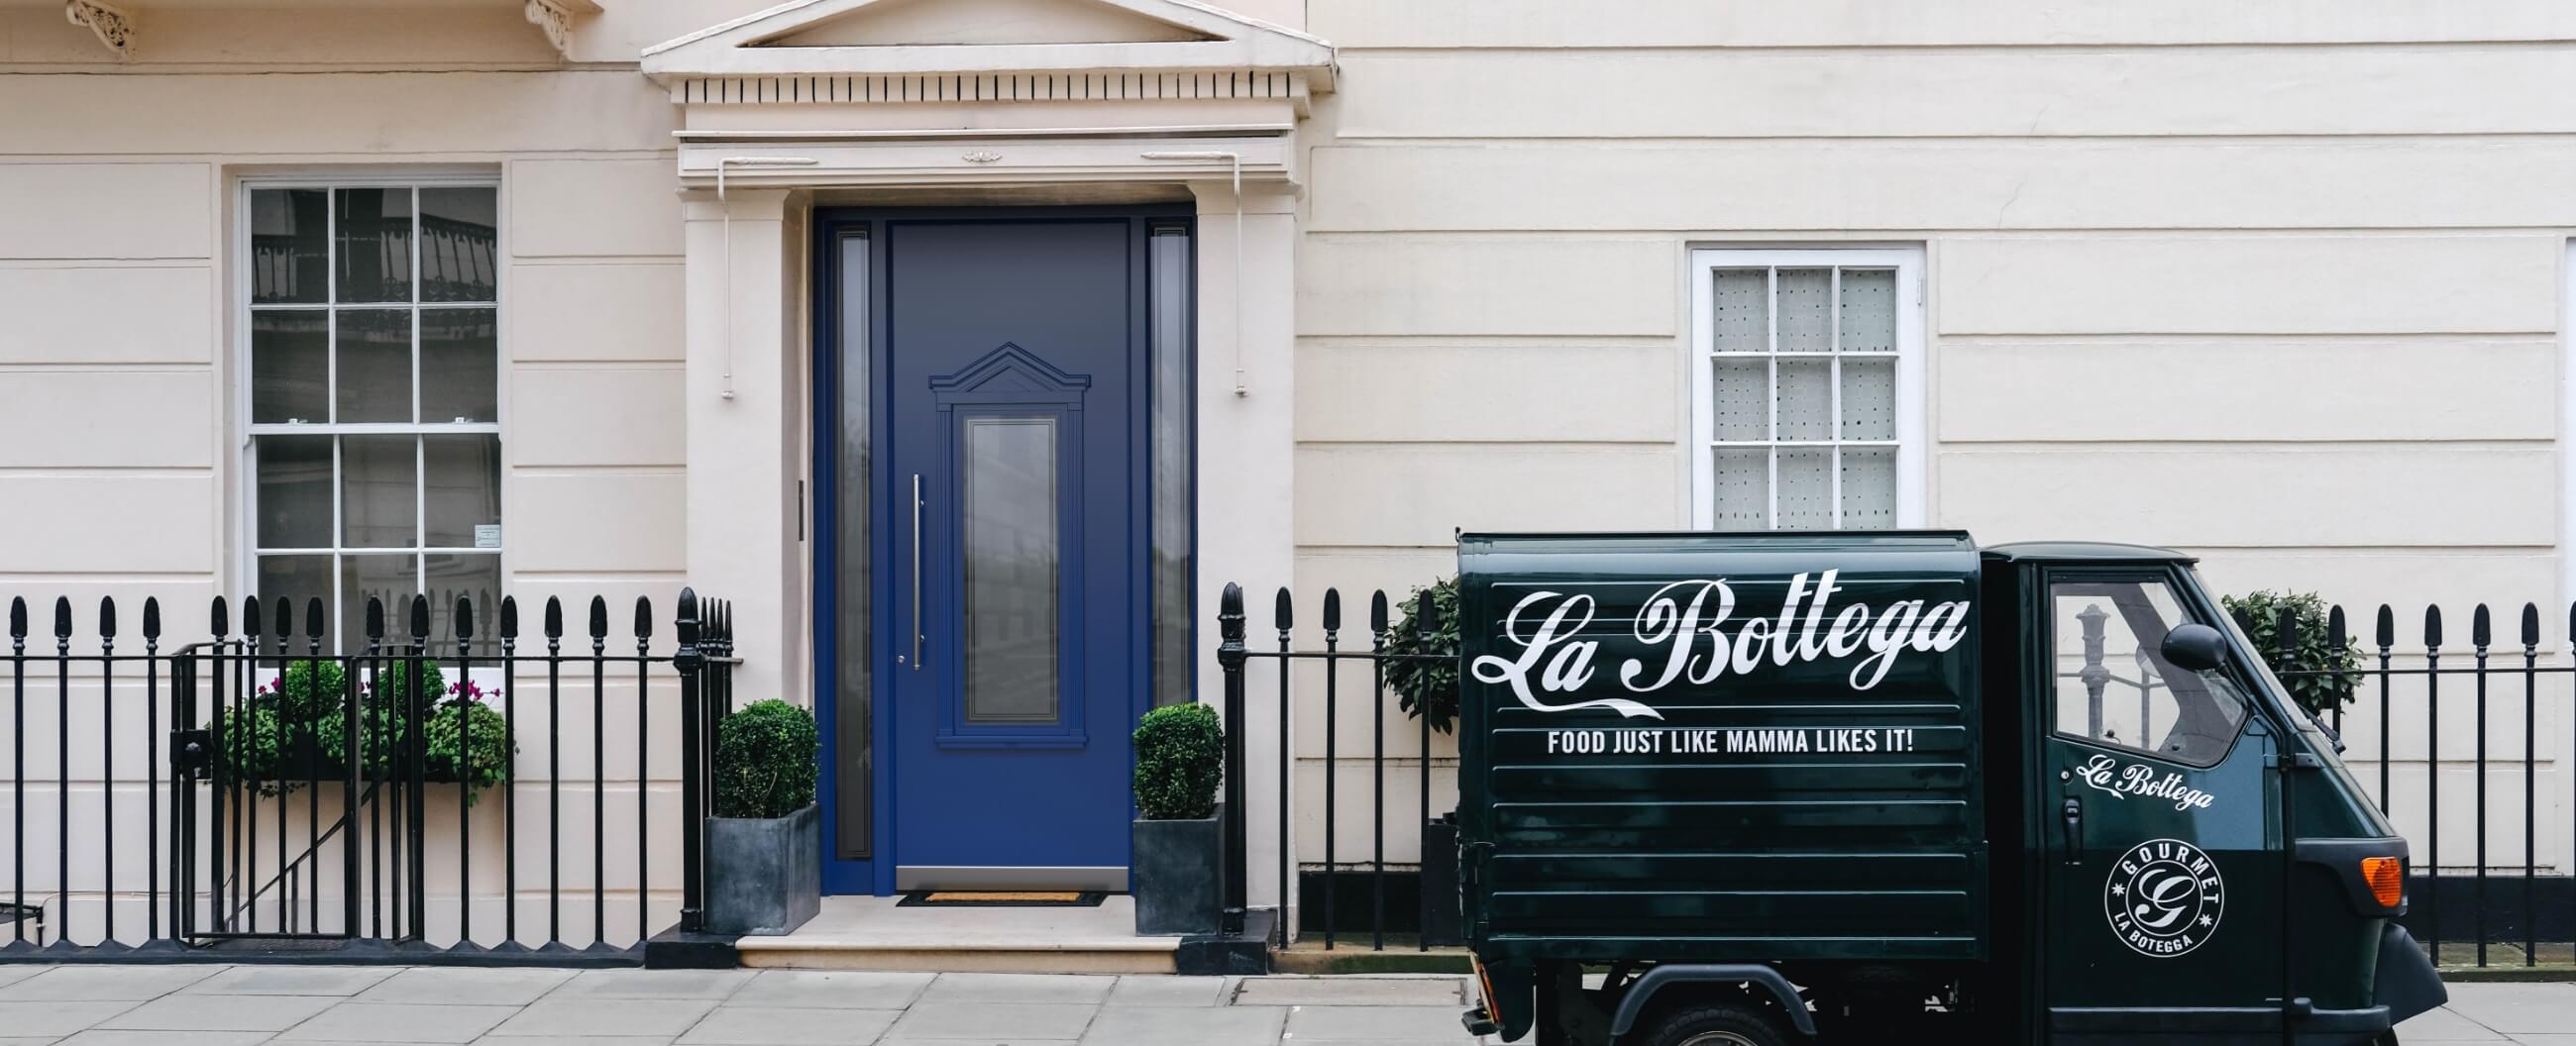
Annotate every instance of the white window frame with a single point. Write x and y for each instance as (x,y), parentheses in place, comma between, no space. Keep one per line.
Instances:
(1701,441)
(247,550)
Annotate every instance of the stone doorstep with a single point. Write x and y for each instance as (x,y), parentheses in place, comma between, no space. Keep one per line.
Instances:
(1128,955)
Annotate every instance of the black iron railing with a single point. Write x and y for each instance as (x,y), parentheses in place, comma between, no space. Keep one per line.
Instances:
(2507,895)
(1432,881)
(287,796)
(2453,906)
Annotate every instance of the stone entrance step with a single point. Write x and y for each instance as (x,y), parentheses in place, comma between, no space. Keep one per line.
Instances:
(872,933)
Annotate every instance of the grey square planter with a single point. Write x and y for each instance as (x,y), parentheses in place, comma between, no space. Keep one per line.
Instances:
(1174,877)
(764,875)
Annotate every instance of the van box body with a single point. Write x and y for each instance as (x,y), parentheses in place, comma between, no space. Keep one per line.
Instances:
(1648,771)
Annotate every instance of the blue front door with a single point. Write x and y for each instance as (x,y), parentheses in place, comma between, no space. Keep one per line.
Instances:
(1012,546)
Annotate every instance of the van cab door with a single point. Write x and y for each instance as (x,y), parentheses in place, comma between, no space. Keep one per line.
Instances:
(2163,867)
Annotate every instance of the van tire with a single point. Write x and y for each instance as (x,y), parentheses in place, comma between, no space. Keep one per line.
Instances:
(1714,1024)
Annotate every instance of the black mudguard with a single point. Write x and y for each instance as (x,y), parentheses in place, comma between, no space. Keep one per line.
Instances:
(1761,978)
(2407,983)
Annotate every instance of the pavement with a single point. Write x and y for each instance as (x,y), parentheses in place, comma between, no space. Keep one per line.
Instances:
(319,1005)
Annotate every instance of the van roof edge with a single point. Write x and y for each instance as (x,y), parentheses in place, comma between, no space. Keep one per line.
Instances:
(2095,551)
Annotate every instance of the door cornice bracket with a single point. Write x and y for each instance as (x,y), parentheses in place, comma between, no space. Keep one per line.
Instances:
(113,25)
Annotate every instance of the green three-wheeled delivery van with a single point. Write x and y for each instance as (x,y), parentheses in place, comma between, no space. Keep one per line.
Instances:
(1739,790)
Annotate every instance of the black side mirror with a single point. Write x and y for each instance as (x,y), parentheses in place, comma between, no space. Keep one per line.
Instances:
(2195,647)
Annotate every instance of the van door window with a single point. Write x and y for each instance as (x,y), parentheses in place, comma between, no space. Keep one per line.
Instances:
(2114,686)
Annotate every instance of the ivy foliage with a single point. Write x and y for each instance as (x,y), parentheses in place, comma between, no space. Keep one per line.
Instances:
(295,730)
(1180,759)
(2325,675)
(767,756)
(1427,689)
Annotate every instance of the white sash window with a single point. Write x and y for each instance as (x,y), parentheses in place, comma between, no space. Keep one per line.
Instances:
(371,344)
(1807,398)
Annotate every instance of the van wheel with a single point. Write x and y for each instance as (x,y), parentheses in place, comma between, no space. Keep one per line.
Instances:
(1716,1025)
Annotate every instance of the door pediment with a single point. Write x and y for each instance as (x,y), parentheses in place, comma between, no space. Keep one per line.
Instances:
(981,37)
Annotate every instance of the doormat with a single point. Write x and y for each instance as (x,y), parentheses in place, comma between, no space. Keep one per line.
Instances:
(1000,899)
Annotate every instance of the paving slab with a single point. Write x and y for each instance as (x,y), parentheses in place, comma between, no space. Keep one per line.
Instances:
(266,1013)
(2445,1026)
(51,1019)
(466,987)
(568,1040)
(1006,1021)
(653,984)
(1350,991)
(1018,987)
(2516,1009)
(115,1037)
(833,989)
(399,1022)
(790,1026)
(292,980)
(1012,1041)
(606,1017)
(1171,991)
(105,983)
(1173,1026)
(15,972)
(1408,1024)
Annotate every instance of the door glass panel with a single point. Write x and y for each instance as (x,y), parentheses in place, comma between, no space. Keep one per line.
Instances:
(851,712)
(1012,549)
(1175,495)
(2114,686)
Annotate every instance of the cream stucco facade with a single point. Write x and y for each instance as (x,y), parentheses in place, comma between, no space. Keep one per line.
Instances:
(2282,285)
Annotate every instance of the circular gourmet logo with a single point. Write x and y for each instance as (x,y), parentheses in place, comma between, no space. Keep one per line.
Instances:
(2164,898)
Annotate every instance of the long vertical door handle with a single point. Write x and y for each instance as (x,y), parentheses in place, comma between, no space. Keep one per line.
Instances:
(916,571)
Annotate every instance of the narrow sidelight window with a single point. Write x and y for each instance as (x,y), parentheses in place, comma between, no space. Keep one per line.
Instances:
(1806,400)
(1174,440)
(372,324)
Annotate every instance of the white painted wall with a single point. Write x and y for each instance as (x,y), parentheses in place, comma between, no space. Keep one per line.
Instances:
(2287,297)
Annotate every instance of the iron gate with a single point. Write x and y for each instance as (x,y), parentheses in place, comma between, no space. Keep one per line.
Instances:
(255,730)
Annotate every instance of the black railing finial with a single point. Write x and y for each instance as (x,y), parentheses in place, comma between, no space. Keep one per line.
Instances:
(2481,629)
(419,620)
(151,619)
(2433,627)
(375,621)
(106,617)
(554,619)
(1229,614)
(2530,628)
(2386,629)
(509,618)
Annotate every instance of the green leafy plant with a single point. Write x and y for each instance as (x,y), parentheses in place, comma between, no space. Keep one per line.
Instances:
(295,729)
(766,760)
(1427,688)
(2326,674)
(1180,758)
